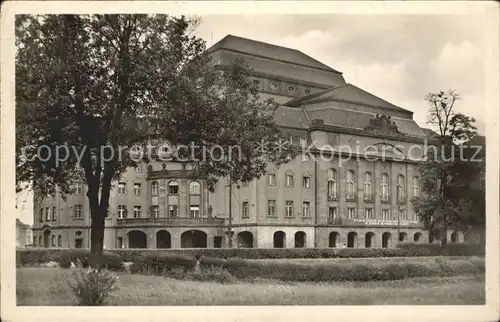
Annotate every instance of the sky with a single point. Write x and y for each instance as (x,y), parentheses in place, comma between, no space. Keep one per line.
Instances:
(399,58)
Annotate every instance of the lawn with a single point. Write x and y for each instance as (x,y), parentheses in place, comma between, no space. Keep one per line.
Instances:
(49,286)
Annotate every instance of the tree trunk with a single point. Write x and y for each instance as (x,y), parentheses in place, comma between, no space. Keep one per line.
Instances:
(96,238)
(444,241)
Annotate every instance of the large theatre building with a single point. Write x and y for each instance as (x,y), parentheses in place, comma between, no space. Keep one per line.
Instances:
(354,190)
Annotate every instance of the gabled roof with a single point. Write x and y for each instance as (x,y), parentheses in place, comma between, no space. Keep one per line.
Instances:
(345,93)
(262,49)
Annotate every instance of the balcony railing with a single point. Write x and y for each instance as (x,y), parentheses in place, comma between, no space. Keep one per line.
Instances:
(192,221)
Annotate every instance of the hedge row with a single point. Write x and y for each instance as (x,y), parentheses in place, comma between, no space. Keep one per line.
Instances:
(33,256)
(315,272)
(454,249)
(64,257)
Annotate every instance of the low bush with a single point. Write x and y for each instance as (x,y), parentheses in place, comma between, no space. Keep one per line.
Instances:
(93,287)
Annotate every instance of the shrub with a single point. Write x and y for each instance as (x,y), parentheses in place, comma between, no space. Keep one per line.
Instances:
(453,249)
(108,260)
(93,287)
(160,264)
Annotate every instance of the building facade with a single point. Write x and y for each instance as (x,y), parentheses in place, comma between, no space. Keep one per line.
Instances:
(352,186)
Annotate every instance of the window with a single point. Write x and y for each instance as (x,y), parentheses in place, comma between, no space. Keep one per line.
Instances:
(289,208)
(368,187)
(121,188)
(306,209)
(54,217)
(245,211)
(154,188)
(137,189)
(194,188)
(137,211)
(78,211)
(350,184)
(332,184)
(402,214)
(401,189)
(289,180)
(41,214)
(59,240)
(173,188)
(385,187)
(306,157)
(385,214)
(244,184)
(416,187)
(47,214)
(351,213)
(303,142)
(40,240)
(306,182)
(78,189)
(271,208)
(369,213)
(154,211)
(138,168)
(53,240)
(194,211)
(271,179)
(332,214)
(122,211)
(173,210)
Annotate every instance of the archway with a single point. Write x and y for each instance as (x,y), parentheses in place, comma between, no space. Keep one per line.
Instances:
(417,237)
(300,239)
(333,239)
(279,239)
(352,239)
(454,237)
(402,237)
(46,239)
(137,239)
(163,239)
(194,239)
(369,239)
(386,240)
(245,239)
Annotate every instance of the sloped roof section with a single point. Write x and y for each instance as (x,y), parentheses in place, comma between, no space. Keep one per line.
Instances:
(258,48)
(346,93)
(302,118)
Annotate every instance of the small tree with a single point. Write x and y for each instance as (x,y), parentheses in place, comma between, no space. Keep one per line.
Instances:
(89,88)
(446,173)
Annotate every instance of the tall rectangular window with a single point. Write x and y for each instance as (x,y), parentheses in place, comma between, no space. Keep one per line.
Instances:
(154,211)
(59,240)
(369,214)
(306,209)
(401,189)
(416,187)
(53,240)
(78,188)
(332,214)
(122,211)
(137,211)
(173,210)
(194,211)
(47,214)
(350,190)
(41,214)
(385,187)
(271,179)
(121,188)
(78,211)
(137,189)
(289,180)
(289,208)
(332,184)
(351,213)
(385,214)
(245,209)
(368,193)
(306,182)
(54,215)
(271,208)
(154,188)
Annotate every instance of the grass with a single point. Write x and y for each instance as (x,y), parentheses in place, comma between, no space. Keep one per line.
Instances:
(49,286)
